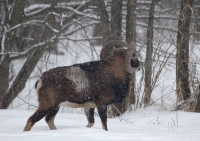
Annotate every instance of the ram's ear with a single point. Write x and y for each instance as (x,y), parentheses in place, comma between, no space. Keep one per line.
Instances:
(129,59)
(108,49)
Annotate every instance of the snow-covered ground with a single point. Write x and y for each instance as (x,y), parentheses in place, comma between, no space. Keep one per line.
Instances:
(141,125)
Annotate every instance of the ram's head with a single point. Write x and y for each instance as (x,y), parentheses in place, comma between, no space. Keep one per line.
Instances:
(131,60)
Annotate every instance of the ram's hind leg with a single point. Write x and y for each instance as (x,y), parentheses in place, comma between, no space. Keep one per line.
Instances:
(38,115)
(50,117)
(89,112)
(45,107)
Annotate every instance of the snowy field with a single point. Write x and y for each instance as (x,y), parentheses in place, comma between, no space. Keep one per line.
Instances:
(141,125)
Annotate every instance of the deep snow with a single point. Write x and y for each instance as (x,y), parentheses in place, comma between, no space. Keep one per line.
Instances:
(141,125)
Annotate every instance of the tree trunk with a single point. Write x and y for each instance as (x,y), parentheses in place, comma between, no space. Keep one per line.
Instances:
(148,60)
(182,55)
(197,107)
(116,19)
(11,19)
(131,37)
(197,21)
(19,83)
(4,75)
(116,27)
(104,21)
(25,72)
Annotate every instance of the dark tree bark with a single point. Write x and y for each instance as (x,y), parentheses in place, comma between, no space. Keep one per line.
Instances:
(32,60)
(4,60)
(116,29)
(197,106)
(131,37)
(4,75)
(116,19)
(182,56)
(148,60)
(104,21)
(11,18)
(197,19)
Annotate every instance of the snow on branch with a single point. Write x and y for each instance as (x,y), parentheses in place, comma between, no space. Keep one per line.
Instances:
(79,39)
(53,29)
(38,8)
(31,22)
(78,12)
(72,4)
(22,24)
(35,8)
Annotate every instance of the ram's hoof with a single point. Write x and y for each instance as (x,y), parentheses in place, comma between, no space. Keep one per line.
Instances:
(90,125)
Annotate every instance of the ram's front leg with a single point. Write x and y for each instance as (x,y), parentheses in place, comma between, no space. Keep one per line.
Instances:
(102,110)
(89,112)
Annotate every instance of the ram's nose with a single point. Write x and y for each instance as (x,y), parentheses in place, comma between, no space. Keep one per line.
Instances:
(135,63)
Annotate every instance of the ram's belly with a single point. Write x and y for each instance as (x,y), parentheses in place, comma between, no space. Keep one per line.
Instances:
(78,76)
(75,105)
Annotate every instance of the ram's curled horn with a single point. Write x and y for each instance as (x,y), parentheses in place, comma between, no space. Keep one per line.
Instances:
(107,50)
(131,58)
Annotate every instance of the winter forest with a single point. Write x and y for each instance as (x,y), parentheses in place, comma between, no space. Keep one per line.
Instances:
(38,35)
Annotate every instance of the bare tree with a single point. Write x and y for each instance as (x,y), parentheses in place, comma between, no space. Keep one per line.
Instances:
(10,19)
(116,19)
(197,21)
(149,51)
(116,30)
(32,60)
(182,56)
(131,37)
(105,24)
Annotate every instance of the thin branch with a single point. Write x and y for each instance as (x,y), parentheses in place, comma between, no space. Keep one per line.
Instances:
(79,13)
(160,70)
(27,23)
(88,38)
(27,102)
(83,26)
(80,39)
(16,55)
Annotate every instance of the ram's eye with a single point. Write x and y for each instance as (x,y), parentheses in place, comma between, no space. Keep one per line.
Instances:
(121,53)
(133,55)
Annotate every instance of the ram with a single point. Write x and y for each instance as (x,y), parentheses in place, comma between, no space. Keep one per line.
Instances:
(90,85)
